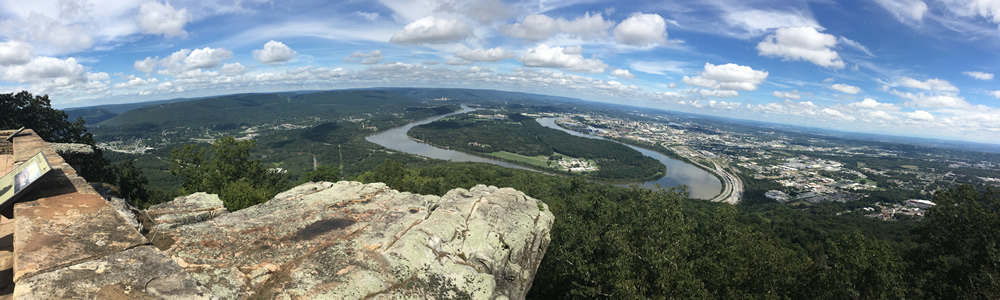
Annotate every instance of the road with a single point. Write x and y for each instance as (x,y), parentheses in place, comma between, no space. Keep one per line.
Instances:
(732,186)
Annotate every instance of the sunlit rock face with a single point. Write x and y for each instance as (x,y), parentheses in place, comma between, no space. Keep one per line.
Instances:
(349,240)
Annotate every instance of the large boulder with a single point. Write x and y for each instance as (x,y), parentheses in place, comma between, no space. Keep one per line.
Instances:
(349,240)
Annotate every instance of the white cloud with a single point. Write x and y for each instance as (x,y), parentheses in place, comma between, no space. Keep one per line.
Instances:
(370,58)
(47,70)
(932,84)
(855,45)
(370,16)
(920,115)
(274,52)
(869,103)
(563,58)
(988,9)
(716,93)
(186,60)
(206,58)
(622,73)
(15,53)
(47,34)
(846,89)
(136,81)
(906,11)
(728,77)
(541,27)
(837,114)
(494,54)
(157,18)
(658,67)
(793,94)
(147,65)
(432,30)
(802,43)
(232,69)
(933,100)
(757,22)
(979,75)
(995,94)
(642,30)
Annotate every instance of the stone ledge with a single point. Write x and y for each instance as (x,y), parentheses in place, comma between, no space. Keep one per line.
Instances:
(69,242)
(139,273)
(57,231)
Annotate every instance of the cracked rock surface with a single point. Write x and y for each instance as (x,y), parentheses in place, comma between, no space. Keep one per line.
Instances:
(349,240)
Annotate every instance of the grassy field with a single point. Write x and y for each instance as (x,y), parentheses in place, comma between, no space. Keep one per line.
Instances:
(540,160)
(910,167)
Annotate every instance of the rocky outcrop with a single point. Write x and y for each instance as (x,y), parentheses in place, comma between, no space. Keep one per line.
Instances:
(349,240)
(194,208)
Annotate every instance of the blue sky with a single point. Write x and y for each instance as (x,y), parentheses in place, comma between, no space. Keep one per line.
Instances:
(906,67)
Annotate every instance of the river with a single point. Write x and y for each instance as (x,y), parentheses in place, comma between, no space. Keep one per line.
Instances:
(701,184)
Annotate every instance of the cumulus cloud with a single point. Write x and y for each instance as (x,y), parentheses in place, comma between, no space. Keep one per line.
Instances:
(728,77)
(623,74)
(869,103)
(48,70)
(50,35)
(147,65)
(934,100)
(979,75)
(185,60)
(802,43)
(642,30)
(920,115)
(836,114)
(793,94)
(370,58)
(274,52)
(162,18)
(846,89)
(15,53)
(995,94)
(206,58)
(432,30)
(232,69)
(494,54)
(563,58)
(136,81)
(541,27)
(715,93)
(906,11)
(932,84)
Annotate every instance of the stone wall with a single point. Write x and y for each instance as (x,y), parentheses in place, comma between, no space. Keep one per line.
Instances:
(68,242)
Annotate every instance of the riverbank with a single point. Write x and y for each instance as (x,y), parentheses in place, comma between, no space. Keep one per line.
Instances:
(732,187)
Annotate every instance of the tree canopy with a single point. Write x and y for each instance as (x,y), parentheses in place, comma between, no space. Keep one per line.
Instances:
(226,168)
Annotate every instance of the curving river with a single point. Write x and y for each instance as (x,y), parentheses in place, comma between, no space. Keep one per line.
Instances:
(701,184)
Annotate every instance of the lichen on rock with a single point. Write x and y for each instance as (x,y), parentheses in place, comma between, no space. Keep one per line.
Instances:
(349,240)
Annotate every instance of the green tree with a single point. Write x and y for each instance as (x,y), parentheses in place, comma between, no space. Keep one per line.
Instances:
(322,173)
(222,169)
(36,113)
(736,262)
(960,235)
(857,267)
(132,183)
